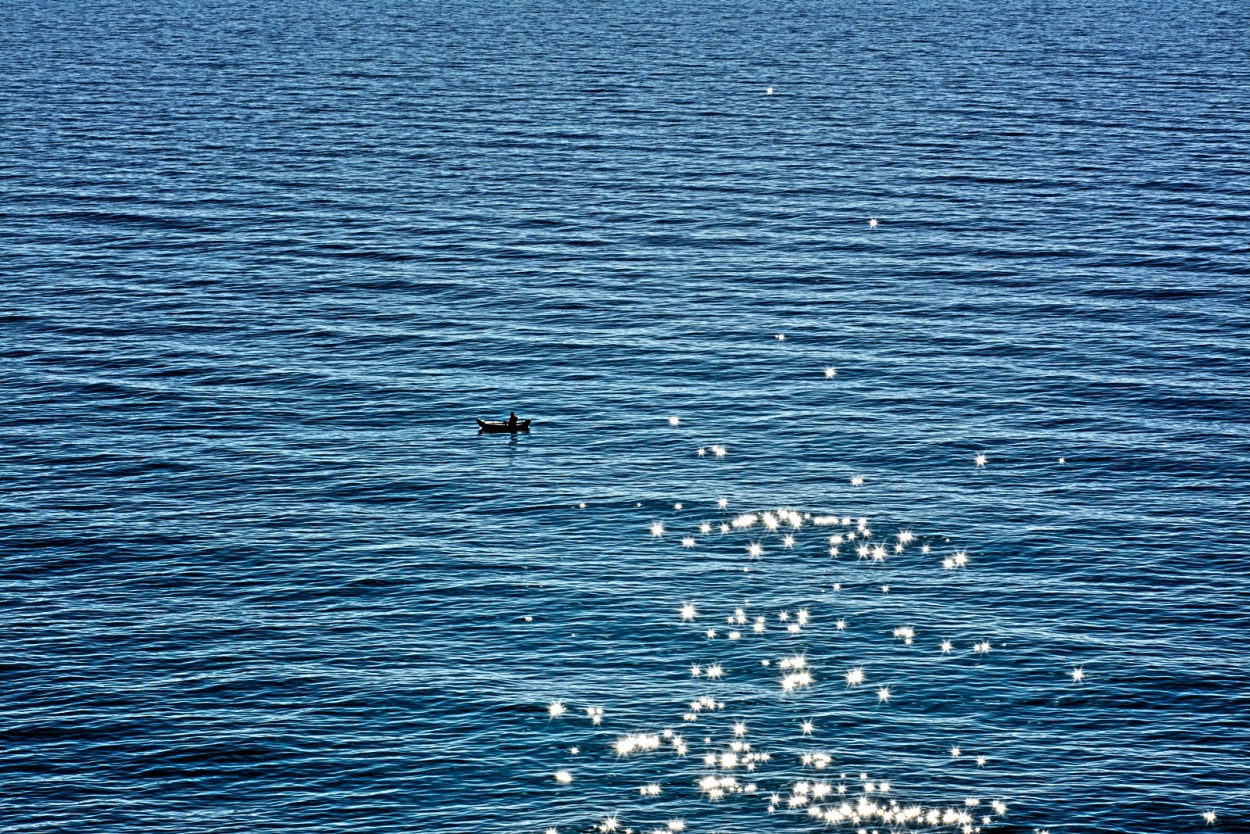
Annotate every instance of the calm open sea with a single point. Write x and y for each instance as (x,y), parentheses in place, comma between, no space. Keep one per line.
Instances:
(263,265)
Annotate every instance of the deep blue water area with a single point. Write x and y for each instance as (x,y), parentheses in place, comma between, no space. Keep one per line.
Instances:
(264,264)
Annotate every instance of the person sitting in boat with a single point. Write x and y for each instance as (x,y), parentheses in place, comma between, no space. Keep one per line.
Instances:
(512,421)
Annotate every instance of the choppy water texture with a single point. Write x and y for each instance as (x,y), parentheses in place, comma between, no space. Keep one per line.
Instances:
(265,263)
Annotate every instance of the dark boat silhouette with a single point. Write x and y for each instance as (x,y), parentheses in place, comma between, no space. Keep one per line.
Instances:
(502,425)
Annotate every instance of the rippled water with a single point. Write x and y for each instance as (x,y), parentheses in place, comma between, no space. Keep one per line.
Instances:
(264,265)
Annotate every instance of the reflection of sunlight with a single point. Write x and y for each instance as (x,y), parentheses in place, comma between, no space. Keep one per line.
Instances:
(727,759)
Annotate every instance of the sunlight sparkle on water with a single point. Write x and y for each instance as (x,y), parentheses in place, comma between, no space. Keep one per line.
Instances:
(726,751)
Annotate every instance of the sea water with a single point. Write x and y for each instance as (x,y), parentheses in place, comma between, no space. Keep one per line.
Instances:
(264,265)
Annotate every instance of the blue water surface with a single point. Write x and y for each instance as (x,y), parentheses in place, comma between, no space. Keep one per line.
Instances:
(264,264)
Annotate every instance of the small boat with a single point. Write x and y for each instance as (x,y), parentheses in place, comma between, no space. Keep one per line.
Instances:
(502,425)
